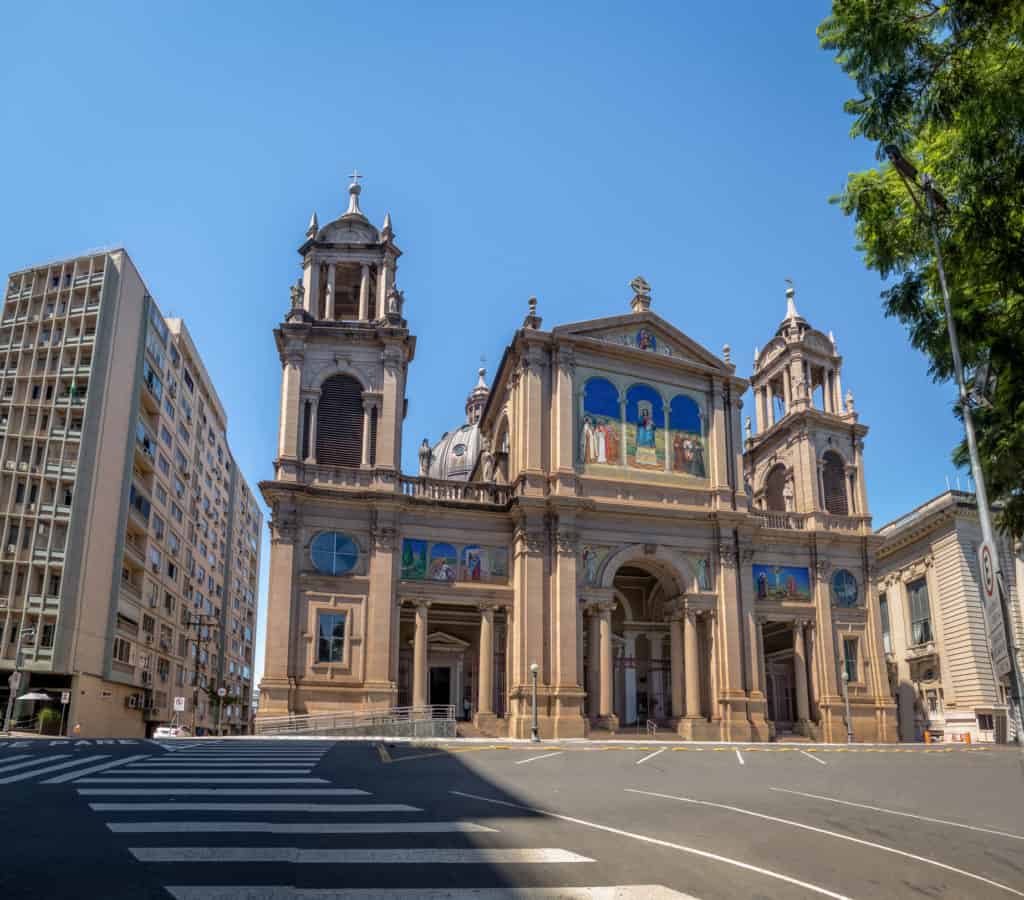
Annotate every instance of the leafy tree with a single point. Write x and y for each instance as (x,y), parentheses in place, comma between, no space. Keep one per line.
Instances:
(945,83)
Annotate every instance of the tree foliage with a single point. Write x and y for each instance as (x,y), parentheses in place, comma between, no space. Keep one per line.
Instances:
(945,82)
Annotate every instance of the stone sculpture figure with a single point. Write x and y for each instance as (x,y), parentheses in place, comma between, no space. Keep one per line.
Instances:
(424,458)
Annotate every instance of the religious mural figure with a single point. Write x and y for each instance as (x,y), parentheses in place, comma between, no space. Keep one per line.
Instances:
(645,340)
(762,585)
(610,440)
(644,419)
(687,436)
(703,580)
(590,564)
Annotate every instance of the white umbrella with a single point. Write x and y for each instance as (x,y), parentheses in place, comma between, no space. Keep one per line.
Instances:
(35,695)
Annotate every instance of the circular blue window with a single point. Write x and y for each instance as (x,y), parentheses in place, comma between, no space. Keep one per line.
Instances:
(459,450)
(334,553)
(844,588)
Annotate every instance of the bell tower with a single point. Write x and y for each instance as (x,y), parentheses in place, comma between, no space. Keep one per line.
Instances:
(345,349)
(806,454)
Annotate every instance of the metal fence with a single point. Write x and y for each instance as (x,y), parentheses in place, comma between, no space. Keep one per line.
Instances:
(408,721)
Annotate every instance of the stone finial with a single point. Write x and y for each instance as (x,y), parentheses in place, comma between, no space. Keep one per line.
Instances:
(727,353)
(354,190)
(641,301)
(832,340)
(791,312)
(386,231)
(314,226)
(532,320)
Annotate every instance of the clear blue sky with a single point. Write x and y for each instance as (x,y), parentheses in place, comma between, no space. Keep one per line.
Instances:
(555,152)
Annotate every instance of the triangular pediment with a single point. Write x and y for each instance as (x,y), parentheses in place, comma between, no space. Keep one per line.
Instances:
(440,640)
(645,332)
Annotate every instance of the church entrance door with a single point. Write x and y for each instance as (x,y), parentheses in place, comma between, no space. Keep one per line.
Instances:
(440,685)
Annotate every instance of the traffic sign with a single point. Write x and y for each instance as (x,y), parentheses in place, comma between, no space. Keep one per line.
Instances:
(179,704)
(222,692)
(65,697)
(14,680)
(991,585)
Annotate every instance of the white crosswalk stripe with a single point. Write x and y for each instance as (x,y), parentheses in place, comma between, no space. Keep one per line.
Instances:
(27,775)
(78,773)
(257,804)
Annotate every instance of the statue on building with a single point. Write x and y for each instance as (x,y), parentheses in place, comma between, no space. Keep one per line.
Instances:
(849,400)
(424,458)
(486,460)
(747,428)
(297,292)
(395,300)
(788,495)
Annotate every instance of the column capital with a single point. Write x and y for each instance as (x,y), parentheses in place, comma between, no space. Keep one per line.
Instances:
(488,606)
(567,543)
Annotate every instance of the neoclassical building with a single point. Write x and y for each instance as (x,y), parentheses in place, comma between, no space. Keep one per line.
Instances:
(599,512)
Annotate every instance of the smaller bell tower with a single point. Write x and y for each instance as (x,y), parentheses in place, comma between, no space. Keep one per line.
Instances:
(806,453)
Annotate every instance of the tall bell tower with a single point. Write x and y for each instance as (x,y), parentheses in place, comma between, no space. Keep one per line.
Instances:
(345,349)
(806,455)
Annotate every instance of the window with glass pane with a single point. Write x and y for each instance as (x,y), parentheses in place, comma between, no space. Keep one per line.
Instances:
(334,553)
(920,613)
(331,631)
(883,609)
(850,658)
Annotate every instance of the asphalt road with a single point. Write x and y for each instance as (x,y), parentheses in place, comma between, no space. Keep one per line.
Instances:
(202,819)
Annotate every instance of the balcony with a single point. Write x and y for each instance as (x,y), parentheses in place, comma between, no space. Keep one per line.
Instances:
(821,521)
(921,651)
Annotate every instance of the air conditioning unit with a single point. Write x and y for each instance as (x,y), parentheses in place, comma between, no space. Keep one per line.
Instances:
(10,548)
(133,701)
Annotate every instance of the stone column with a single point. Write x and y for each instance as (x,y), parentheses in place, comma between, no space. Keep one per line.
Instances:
(382,290)
(770,402)
(629,678)
(656,679)
(761,672)
(709,618)
(291,405)
(800,675)
(364,292)
(622,424)
(787,395)
(314,405)
(368,405)
(605,636)
(420,672)
(329,305)
(762,413)
(675,630)
(311,286)
(485,683)
(840,403)
(594,649)
(692,664)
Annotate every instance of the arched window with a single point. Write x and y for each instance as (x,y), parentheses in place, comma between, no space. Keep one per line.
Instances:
(774,487)
(833,478)
(339,422)
(687,450)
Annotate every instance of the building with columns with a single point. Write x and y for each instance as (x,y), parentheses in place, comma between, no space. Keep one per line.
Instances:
(597,513)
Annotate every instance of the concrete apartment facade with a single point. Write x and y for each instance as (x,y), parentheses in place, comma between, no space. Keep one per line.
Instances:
(933,630)
(122,512)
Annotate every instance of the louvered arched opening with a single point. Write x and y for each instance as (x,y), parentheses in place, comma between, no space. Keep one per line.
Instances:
(833,478)
(339,422)
(774,487)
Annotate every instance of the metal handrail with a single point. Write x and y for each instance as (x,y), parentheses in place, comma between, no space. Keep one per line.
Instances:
(306,724)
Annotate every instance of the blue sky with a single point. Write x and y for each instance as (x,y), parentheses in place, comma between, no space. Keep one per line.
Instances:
(543,150)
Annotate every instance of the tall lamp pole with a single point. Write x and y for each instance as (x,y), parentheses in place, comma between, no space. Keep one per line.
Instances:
(934,200)
(534,736)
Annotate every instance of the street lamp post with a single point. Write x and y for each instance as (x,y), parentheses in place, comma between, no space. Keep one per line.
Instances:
(933,200)
(846,700)
(15,680)
(534,736)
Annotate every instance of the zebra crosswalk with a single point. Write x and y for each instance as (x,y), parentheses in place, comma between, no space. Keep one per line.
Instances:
(237,831)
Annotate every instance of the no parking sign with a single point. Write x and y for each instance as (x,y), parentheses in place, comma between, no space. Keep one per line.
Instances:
(988,563)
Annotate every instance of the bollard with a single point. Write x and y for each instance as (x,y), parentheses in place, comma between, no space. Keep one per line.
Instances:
(927,736)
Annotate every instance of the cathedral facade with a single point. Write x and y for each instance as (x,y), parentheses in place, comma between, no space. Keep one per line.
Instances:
(602,521)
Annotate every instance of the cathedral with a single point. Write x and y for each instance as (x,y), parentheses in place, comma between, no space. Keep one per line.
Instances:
(603,521)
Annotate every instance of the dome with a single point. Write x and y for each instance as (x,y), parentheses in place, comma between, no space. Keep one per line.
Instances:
(456,453)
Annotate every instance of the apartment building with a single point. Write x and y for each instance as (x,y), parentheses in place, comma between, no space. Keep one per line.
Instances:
(933,628)
(129,541)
